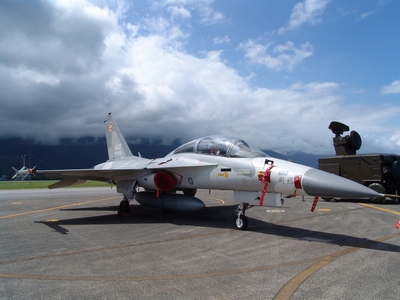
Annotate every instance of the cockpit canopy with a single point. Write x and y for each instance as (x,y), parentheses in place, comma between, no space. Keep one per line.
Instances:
(219,145)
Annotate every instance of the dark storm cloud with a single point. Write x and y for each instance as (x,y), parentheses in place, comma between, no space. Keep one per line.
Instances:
(45,38)
(52,68)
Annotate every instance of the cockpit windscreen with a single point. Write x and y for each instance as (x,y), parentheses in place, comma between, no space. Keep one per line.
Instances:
(220,145)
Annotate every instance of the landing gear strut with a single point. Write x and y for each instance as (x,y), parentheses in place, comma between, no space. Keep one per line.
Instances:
(241,220)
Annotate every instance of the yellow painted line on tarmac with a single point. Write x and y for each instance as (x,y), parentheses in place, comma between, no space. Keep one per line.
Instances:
(324,209)
(216,199)
(55,208)
(292,285)
(116,247)
(380,208)
(285,293)
(156,277)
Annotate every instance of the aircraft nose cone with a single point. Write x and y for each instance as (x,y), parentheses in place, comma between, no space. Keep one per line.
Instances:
(320,183)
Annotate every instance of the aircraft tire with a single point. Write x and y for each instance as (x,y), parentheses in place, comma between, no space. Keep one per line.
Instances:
(124,207)
(242,222)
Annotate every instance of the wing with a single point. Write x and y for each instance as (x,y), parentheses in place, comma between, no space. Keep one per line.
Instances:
(77,176)
(121,169)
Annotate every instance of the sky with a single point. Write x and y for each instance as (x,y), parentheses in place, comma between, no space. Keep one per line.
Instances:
(274,73)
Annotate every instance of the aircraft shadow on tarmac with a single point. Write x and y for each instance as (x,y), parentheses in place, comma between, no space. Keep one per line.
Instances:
(221,217)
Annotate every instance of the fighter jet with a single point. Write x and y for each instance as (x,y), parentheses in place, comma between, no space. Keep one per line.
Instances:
(24,171)
(213,162)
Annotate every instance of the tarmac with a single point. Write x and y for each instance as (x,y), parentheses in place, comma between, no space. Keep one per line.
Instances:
(71,244)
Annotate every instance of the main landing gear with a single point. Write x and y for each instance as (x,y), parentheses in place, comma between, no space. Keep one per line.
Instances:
(241,220)
(124,208)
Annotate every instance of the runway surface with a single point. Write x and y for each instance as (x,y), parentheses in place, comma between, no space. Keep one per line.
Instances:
(71,244)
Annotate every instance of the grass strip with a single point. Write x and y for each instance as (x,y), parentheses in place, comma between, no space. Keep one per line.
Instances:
(43,184)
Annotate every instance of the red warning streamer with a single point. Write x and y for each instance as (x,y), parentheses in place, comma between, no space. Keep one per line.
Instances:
(265,180)
(297,184)
(314,203)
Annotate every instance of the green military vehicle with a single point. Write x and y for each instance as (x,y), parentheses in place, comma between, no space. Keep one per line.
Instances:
(380,172)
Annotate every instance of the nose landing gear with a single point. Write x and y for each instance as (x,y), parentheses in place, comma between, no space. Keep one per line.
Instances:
(241,221)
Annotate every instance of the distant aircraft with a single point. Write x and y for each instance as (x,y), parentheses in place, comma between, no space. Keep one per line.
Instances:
(212,162)
(24,171)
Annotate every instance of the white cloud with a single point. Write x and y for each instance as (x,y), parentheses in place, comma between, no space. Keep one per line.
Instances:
(179,12)
(188,8)
(396,138)
(366,15)
(309,11)
(63,72)
(281,57)
(35,76)
(209,16)
(221,40)
(393,88)
(379,5)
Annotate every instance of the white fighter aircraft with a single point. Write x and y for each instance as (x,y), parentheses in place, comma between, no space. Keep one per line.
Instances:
(212,162)
(24,171)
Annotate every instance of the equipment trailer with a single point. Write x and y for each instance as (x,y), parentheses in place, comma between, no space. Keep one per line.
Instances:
(378,171)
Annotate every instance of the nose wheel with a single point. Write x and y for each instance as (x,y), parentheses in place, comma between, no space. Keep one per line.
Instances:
(241,221)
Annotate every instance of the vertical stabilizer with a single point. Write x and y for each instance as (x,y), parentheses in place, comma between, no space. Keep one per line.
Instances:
(116,144)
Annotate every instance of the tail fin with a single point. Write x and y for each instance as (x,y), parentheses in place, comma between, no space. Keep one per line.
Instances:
(116,144)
